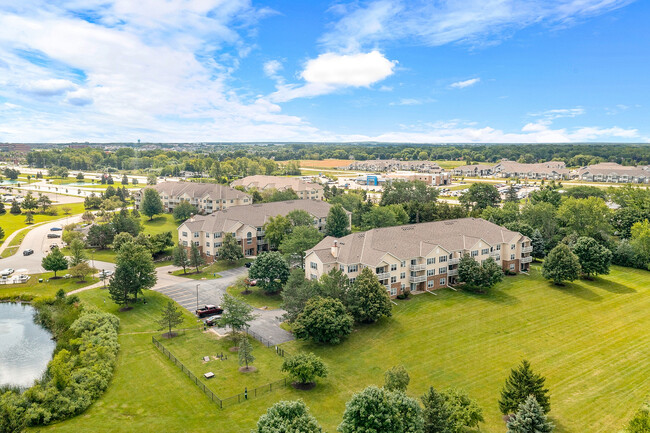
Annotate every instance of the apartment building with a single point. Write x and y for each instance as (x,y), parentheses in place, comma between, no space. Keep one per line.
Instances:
(246,223)
(305,190)
(420,257)
(473,170)
(544,170)
(613,172)
(392,165)
(206,197)
(435,178)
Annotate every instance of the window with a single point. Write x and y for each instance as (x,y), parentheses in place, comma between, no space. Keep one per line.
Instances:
(485,251)
(442,259)
(196,243)
(430,284)
(431,261)
(443,281)
(313,265)
(403,264)
(512,256)
(352,280)
(196,234)
(217,235)
(393,267)
(402,275)
(207,244)
(393,279)
(499,247)
(442,270)
(207,235)
(353,268)
(513,246)
(217,244)
(184,243)
(313,276)
(474,253)
(393,291)
(512,266)
(184,234)
(414,262)
(207,253)
(414,287)
(431,272)
(341,268)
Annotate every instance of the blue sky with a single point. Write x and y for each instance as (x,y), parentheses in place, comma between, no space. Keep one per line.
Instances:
(379,70)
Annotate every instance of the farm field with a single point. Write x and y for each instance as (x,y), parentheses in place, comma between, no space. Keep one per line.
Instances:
(588,338)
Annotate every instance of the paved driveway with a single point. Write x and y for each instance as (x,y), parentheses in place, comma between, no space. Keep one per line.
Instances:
(185,292)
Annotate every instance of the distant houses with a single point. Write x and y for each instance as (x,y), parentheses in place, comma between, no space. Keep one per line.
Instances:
(383,165)
(305,190)
(613,172)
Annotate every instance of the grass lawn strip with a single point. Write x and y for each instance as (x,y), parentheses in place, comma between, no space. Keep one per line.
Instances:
(33,289)
(211,271)
(256,298)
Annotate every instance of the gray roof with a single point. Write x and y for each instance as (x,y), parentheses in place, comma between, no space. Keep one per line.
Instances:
(607,168)
(254,215)
(213,191)
(541,167)
(280,183)
(414,240)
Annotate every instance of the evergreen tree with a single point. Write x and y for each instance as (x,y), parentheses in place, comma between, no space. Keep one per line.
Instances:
(55,261)
(2,208)
(29,202)
(230,250)
(594,258)
(538,243)
(15,208)
(125,180)
(77,252)
(529,418)
(561,265)
(338,222)
(179,257)
(522,383)
(151,203)
(511,195)
(196,259)
(369,300)
(436,414)
(29,218)
(170,317)
(245,351)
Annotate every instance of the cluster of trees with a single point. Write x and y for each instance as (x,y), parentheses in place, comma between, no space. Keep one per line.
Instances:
(134,272)
(11,173)
(77,262)
(30,204)
(292,235)
(325,311)
(78,373)
(112,198)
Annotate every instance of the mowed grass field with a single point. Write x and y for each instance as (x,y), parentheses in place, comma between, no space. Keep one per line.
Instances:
(590,339)
(10,222)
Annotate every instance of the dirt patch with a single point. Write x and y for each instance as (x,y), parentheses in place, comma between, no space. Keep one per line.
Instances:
(303,386)
(234,349)
(248,369)
(169,335)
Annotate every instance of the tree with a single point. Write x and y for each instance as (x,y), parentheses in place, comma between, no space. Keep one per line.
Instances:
(124,223)
(299,217)
(11,173)
(179,257)
(296,292)
(323,320)
(82,270)
(183,211)
(368,298)
(12,418)
(80,176)
(152,179)
(92,202)
(594,258)
(338,222)
(236,314)
(464,411)
(15,208)
(288,417)
(125,180)
(55,261)
(230,250)
(196,259)
(44,202)
(521,383)
(29,218)
(640,241)
(2,208)
(101,235)
(270,270)
(151,203)
(396,379)
(134,272)
(77,252)
(304,368)
(245,351)
(538,243)
(121,239)
(641,421)
(561,265)
(511,195)
(276,229)
(529,418)
(379,410)
(586,216)
(547,194)
(300,240)
(2,233)
(479,196)
(29,202)
(334,284)
(436,414)
(379,217)
(170,316)
(160,242)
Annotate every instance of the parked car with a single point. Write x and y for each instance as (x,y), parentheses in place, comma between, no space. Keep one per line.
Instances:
(209,310)
(28,252)
(213,320)
(56,229)
(248,264)
(53,235)
(6,272)
(105,274)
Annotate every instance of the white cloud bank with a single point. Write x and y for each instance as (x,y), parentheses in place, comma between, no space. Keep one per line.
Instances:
(466,83)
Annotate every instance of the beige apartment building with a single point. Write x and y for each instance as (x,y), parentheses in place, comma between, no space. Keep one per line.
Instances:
(206,197)
(305,190)
(419,257)
(614,173)
(246,223)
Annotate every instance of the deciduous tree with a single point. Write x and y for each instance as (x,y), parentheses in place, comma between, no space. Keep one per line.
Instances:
(196,259)
(464,411)
(230,250)
(236,313)
(479,196)
(134,272)
(594,258)
(183,211)
(270,270)
(298,241)
(368,298)
(288,417)
(151,203)
(396,379)
(77,252)
(54,261)
(179,257)
(561,265)
(304,367)
(170,317)
(323,320)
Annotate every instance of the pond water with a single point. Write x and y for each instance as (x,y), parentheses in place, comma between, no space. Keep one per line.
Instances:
(25,347)
(9,182)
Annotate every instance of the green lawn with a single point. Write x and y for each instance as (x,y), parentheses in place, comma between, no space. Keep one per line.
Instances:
(256,298)
(32,288)
(210,272)
(10,223)
(590,339)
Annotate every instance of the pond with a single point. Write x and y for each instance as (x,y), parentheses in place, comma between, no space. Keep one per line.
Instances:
(25,347)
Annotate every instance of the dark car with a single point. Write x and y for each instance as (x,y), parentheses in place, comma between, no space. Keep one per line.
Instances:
(28,252)
(56,229)
(248,264)
(213,320)
(53,235)
(209,310)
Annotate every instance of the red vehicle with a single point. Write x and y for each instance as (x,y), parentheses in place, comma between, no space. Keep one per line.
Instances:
(250,282)
(209,310)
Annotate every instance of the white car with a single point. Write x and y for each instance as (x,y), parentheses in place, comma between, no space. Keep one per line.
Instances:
(105,274)
(6,272)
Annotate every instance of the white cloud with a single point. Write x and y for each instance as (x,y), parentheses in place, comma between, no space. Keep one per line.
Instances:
(271,68)
(560,113)
(330,72)
(79,97)
(466,83)
(48,87)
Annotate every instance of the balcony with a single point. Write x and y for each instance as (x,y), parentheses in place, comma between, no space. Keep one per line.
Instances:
(383,276)
(527,250)
(454,261)
(496,256)
(421,267)
(420,279)
(452,272)
(526,259)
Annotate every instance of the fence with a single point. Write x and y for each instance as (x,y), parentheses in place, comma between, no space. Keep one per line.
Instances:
(229,401)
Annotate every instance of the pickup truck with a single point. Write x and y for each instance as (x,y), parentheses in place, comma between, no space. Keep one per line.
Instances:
(209,310)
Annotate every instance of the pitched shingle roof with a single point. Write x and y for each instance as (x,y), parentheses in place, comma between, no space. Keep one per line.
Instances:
(280,183)
(213,191)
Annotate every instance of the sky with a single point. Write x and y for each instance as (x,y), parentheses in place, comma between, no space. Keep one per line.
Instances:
(421,71)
